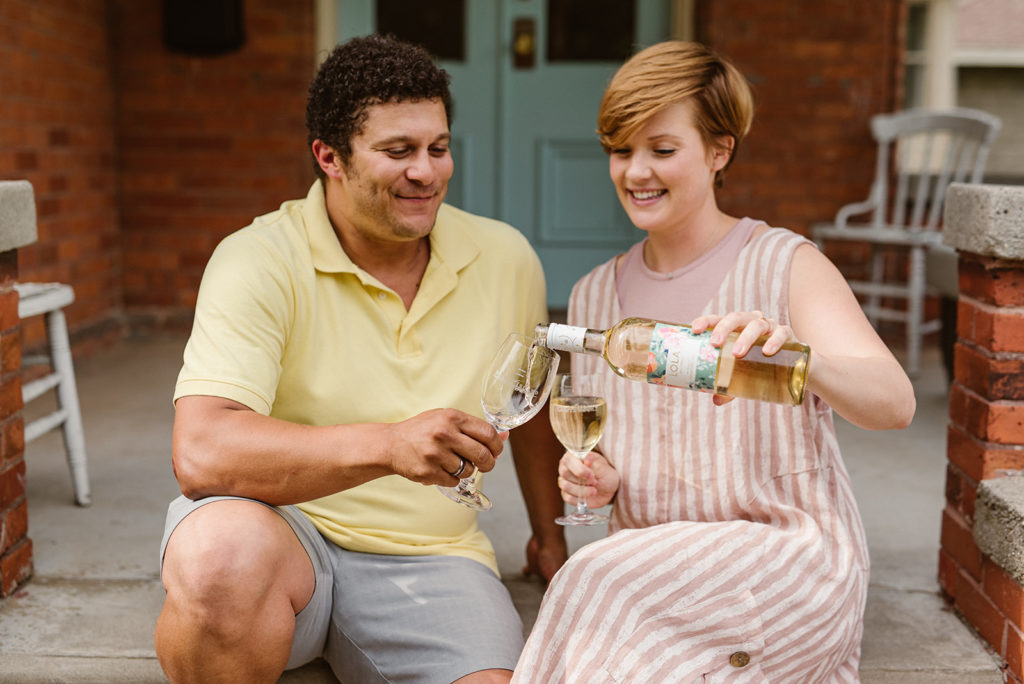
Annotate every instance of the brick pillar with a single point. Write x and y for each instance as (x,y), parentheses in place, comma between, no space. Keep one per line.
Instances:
(15,546)
(17,229)
(985,224)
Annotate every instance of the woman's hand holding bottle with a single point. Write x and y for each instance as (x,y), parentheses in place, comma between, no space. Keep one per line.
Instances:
(594,472)
(752,326)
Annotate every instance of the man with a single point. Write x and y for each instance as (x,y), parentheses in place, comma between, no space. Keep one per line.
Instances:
(334,369)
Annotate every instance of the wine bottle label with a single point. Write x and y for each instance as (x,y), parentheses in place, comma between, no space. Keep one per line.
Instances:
(566,337)
(680,358)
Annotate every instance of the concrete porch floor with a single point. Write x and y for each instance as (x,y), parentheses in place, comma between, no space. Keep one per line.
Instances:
(88,613)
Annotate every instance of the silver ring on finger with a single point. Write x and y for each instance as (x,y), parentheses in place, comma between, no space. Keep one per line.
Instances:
(770,323)
(462,467)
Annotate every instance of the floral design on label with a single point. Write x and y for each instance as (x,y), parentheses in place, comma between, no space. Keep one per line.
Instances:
(680,358)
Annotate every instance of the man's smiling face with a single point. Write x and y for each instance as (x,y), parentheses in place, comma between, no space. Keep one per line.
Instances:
(393,183)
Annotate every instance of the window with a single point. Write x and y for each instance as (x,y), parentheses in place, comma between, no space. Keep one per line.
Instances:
(439,25)
(590,30)
(970,53)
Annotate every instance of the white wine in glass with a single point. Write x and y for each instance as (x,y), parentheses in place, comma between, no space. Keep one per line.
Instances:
(578,413)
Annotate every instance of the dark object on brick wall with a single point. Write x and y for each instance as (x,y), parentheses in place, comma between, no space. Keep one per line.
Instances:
(203,27)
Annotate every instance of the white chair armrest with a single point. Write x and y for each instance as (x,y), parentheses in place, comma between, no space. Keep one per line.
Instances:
(854,209)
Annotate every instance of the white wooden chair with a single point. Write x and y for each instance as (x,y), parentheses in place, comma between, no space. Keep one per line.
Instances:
(920,152)
(49,300)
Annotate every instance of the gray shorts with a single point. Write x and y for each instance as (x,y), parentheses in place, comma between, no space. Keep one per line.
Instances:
(382,618)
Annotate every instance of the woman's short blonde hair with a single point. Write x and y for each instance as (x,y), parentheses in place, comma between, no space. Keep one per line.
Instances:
(670,73)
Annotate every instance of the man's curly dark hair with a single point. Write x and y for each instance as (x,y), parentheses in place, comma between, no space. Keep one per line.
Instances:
(366,71)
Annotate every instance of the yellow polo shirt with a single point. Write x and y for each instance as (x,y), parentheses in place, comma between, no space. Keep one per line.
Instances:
(286,324)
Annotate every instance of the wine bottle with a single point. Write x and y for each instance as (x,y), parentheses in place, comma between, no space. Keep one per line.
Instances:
(671,354)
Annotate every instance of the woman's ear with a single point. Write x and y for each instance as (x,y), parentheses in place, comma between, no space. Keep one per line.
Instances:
(328,159)
(722,151)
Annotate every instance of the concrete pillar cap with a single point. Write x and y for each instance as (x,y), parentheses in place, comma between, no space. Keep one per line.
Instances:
(17,214)
(999,523)
(985,219)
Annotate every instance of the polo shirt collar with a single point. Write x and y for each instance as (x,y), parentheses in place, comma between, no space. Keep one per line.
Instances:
(452,239)
(324,247)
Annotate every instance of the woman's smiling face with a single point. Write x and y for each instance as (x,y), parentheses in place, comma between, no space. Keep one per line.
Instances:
(665,174)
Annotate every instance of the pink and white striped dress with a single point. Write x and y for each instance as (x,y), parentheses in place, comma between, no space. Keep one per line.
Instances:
(736,550)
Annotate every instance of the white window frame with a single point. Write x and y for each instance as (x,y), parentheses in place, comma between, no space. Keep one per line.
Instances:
(941,59)
(939,85)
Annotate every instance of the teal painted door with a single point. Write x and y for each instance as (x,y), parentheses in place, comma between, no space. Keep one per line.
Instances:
(527,77)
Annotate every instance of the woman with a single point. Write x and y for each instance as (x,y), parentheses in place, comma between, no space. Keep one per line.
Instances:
(736,549)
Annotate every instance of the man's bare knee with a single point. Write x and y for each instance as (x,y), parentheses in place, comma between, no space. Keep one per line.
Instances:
(231,554)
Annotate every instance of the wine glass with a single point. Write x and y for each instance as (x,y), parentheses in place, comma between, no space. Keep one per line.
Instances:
(577,416)
(515,387)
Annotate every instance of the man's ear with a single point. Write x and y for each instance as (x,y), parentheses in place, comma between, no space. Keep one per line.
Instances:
(328,159)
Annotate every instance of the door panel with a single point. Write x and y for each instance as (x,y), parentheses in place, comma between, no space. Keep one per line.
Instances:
(524,144)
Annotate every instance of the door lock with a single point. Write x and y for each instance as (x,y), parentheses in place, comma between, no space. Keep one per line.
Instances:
(524,43)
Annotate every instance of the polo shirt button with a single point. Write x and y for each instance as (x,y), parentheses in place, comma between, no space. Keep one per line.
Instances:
(739,659)
(382,295)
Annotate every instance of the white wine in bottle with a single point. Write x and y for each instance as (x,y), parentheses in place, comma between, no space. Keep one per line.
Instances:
(671,354)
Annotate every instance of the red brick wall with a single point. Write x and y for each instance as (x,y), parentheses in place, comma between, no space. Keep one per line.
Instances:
(57,131)
(819,69)
(15,546)
(985,436)
(141,160)
(206,144)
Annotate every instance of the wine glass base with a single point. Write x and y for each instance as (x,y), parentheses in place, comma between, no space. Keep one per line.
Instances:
(589,518)
(475,500)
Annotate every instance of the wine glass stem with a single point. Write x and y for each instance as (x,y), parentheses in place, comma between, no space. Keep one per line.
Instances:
(581,500)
